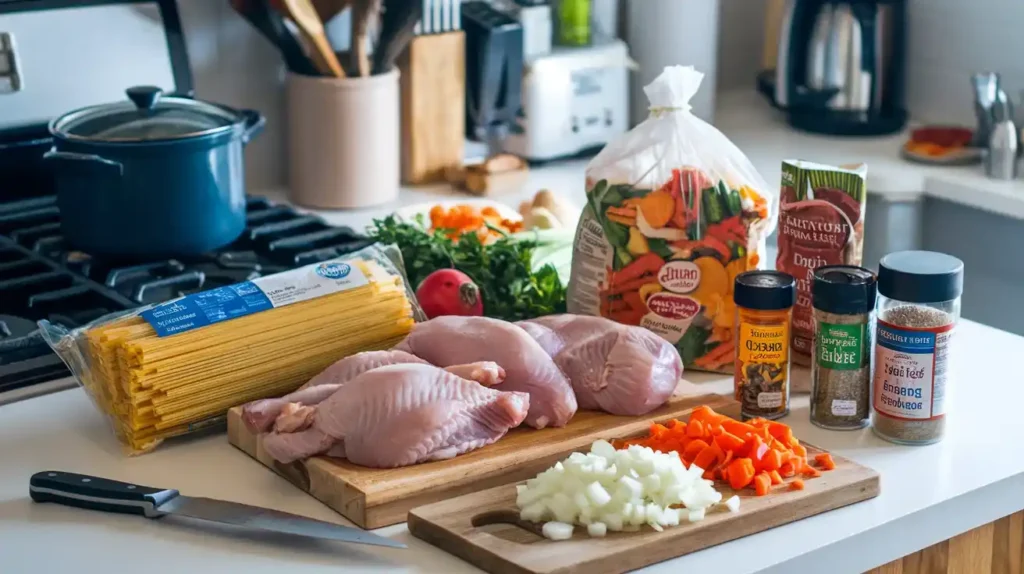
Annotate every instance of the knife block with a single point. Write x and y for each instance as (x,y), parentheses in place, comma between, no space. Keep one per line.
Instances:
(433,92)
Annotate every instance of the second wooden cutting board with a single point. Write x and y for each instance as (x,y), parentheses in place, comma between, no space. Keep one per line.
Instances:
(373,498)
(483,528)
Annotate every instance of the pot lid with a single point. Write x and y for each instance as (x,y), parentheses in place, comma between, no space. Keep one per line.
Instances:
(148,116)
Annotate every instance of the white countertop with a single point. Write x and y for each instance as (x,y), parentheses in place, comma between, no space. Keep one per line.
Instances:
(928,493)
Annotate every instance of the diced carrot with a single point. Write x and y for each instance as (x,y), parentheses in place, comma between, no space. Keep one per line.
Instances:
(757,450)
(694,448)
(762,484)
(708,475)
(787,470)
(797,484)
(705,414)
(737,428)
(695,429)
(824,460)
(729,442)
(741,473)
(775,476)
(772,460)
(810,472)
(707,457)
(799,449)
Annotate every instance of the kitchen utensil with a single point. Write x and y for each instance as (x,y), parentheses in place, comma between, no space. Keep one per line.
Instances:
(269,22)
(840,66)
(494,73)
(398,23)
(94,493)
(312,28)
(484,529)
(1003,142)
(343,140)
(986,88)
(364,13)
(328,9)
(380,497)
(155,176)
(562,118)
(433,82)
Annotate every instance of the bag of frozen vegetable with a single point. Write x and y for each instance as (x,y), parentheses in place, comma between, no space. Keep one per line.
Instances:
(674,213)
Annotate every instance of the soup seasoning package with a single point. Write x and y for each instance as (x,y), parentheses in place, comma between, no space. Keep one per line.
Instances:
(675,212)
(821,222)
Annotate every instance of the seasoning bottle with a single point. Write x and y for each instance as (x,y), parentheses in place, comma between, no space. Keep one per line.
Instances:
(843,298)
(764,313)
(918,307)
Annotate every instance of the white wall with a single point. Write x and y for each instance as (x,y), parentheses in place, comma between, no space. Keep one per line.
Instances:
(951,39)
(948,40)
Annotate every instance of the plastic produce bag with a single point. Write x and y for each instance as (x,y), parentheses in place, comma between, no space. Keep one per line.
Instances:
(674,213)
(176,367)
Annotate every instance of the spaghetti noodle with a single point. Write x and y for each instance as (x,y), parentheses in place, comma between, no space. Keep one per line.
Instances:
(154,385)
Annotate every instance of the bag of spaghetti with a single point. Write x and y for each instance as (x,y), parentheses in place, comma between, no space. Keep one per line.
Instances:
(177,367)
(674,213)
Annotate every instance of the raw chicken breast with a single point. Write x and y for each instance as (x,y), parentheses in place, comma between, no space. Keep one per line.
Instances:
(619,369)
(403,414)
(445,341)
(260,415)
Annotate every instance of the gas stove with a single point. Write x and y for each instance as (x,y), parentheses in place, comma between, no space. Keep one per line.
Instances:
(42,278)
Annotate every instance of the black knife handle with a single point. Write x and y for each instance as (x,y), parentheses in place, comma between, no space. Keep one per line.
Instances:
(96,493)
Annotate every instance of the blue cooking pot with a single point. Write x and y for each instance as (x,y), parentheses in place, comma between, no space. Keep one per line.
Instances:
(153,177)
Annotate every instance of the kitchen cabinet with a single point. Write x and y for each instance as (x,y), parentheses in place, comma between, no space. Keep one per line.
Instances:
(992,249)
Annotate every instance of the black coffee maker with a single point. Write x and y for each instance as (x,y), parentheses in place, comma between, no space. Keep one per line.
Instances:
(841,66)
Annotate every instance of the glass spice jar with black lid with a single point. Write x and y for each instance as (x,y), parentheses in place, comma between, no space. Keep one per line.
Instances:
(843,299)
(764,316)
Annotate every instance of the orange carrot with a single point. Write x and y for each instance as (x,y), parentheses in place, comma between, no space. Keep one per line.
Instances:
(695,429)
(762,484)
(694,448)
(707,457)
(797,484)
(729,442)
(741,473)
(757,453)
(824,460)
(646,263)
(810,472)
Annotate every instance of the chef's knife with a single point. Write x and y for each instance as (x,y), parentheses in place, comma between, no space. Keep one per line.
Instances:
(96,493)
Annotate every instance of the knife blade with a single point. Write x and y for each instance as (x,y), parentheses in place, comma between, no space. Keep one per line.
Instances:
(95,493)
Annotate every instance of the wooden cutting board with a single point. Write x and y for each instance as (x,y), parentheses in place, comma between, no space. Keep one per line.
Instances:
(373,498)
(484,529)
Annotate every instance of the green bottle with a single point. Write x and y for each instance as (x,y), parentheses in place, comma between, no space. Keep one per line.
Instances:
(573,22)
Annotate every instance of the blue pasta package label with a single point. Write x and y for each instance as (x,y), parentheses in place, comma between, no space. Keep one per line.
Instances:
(242,299)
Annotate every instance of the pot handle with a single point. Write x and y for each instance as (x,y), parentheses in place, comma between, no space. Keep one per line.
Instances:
(253,124)
(83,163)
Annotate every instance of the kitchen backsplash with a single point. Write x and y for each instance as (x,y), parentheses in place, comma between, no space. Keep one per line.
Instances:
(233,64)
(948,41)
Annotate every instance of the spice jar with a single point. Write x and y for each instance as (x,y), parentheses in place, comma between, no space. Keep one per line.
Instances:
(764,314)
(918,307)
(843,298)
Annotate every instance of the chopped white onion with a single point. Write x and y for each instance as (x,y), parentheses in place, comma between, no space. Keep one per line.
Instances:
(557,530)
(616,490)
(733,504)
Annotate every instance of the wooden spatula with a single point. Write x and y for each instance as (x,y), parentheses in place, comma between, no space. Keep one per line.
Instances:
(309,23)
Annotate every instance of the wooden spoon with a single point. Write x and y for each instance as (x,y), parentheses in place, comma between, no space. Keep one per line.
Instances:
(309,23)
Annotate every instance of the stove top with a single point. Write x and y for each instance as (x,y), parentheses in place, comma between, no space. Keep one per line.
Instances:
(41,278)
